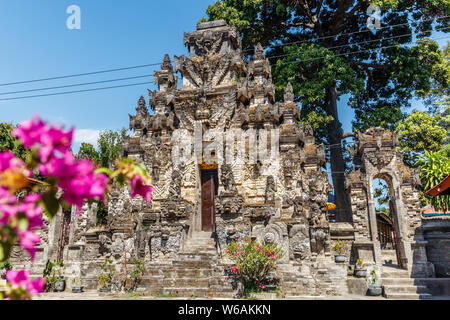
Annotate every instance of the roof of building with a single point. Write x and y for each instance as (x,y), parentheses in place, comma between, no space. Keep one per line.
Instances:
(441,189)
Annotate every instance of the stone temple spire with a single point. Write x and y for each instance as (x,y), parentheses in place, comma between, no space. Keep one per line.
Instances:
(289,93)
(259,52)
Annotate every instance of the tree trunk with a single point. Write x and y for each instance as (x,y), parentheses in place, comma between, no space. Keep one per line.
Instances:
(341,198)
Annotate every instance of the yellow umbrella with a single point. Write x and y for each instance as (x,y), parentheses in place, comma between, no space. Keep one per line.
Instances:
(330,206)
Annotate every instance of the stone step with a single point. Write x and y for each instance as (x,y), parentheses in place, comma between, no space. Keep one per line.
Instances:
(189,273)
(186,292)
(394,273)
(408,296)
(197,256)
(394,289)
(398,281)
(189,264)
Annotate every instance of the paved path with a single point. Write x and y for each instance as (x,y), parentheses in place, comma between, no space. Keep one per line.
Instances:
(94,295)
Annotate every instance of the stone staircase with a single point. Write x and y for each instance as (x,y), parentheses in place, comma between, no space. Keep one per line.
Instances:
(317,278)
(397,284)
(196,273)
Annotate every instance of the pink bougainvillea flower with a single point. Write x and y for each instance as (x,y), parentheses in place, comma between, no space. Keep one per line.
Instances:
(36,133)
(139,188)
(8,207)
(17,278)
(28,240)
(9,161)
(36,286)
(31,131)
(263,287)
(54,139)
(33,211)
(77,179)
(20,279)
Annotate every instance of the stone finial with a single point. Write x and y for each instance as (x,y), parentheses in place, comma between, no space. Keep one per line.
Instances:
(141,108)
(289,93)
(259,52)
(167,64)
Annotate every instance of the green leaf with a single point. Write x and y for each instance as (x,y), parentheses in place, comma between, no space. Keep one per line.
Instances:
(50,202)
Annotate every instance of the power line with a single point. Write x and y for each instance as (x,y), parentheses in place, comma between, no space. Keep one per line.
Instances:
(76,85)
(76,91)
(343,34)
(149,75)
(80,74)
(158,63)
(349,53)
(357,43)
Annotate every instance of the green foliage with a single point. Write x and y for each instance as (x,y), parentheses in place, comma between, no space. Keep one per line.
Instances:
(6,265)
(420,132)
(253,261)
(109,144)
(381,194)
(373,278)
(102,213)
(53,272)
(360,264)
(106,273)
(87,151)
(434,167)
(8,142)
(339,247)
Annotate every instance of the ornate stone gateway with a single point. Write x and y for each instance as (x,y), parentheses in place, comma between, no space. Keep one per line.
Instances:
(376,157)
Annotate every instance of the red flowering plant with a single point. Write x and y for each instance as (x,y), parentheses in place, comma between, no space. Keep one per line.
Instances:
(253,261)
(129,278)
(50,178)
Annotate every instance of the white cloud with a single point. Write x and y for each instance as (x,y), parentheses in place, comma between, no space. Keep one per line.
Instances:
(86,135)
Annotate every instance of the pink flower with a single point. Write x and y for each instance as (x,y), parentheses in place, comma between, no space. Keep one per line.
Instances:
(20,279)
(17,278)
(237,239)
(122,272)
(36,286)
(235,269)
(262,286)
(30,131)
(237,253)
(33,211)
(28,240)
(9,161)
(36,133)
(228,250)
(76,178)
(139,188)
(8,205)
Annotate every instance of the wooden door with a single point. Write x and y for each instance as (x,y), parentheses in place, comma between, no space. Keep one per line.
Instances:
(208,196)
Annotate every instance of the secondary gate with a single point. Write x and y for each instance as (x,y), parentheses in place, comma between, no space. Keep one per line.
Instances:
(210,185)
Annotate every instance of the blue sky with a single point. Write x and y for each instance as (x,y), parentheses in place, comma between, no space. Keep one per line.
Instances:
(36,44)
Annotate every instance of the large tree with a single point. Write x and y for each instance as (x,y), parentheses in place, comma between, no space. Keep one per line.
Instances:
(325,49)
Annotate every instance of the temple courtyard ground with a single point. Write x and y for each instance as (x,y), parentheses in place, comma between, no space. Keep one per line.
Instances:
(93,295)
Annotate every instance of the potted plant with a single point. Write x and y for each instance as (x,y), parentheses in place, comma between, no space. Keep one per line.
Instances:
(373,283)
(59,282)
(339,248)
(360,269)
(76,285)
(105,275)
